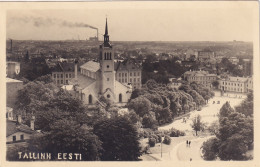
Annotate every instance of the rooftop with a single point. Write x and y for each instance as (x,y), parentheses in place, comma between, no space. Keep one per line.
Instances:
(8,80)
(82,80)
(13,127)
(91,66)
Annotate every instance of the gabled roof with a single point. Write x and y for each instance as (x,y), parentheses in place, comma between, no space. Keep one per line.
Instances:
(13,127)
(82,80)
(12,80)
(64,67)
(91,66)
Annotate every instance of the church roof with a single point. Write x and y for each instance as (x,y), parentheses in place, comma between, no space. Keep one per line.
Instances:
(82,80)
(91,66)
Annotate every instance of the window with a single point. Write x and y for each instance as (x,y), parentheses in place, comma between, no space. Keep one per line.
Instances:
(66,75)
(119,74)
(125,74)
(58,75)
(125,80)
(69,75)
(61,75)
(138,74)
(108,96)
(110,56)
(107,66)
(107,79)
(120,98)
(21,137)
(54,75)
(130,80)
(90,99)
(134,73)
(58,81)
(67,82)
(134,79)
(14,138)
(130,74)
(61,81)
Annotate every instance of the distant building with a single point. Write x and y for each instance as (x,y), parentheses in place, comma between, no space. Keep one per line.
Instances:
(234,60)
(62,73)
(175,83)
(12,88)
(98,79)
(12,68)
(206,55)
(200,77)
(236,84)
(129,71)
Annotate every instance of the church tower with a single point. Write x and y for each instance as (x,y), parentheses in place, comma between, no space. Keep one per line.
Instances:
(106,59)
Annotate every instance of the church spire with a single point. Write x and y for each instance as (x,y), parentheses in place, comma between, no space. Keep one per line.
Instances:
(106,31)
(106,37)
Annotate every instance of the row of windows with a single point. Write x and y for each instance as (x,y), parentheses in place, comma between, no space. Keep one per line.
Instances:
(90,99)
(234,89)
(202,78)
(125,74)
(225,83)
(124,80)
(61,75)
(61,81)
(21,137)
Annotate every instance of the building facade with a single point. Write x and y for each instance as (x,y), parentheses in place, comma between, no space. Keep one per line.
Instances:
(200,77)
(236,84)
(12,88)
(12,68)
(129,71)
(63,72)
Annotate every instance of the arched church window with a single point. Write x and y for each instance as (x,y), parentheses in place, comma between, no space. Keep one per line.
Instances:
(120,98)
(108,96)
(90,99)
(105,55)
(110,56)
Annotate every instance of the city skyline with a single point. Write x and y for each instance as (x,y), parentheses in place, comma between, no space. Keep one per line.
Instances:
(172,22)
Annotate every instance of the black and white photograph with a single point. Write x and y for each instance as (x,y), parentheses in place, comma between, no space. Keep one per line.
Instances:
(130,81)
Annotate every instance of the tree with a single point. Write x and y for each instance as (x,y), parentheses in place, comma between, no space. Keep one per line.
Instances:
(210,149)
(140,105)
(149,121)
(45,79)
(197,124)
(119,139)
(215,84)
(67,136)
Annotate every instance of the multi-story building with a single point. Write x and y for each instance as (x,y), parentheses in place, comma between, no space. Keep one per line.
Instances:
(200,77)
(206,55)
(12,68)
(63,72)
(12,88)
(129,71)
(236,84)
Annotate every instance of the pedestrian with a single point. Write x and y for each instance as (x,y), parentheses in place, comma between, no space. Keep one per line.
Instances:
(189,143)
(190,159)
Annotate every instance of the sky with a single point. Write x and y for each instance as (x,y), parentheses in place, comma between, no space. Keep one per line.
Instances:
(139,21)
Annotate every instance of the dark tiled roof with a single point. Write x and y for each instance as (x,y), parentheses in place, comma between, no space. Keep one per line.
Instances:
(64,66)
(13,127)
(128,64)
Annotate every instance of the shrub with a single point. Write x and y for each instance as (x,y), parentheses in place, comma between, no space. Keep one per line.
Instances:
(152,142)
(167,140)
(176,133)
(155,137)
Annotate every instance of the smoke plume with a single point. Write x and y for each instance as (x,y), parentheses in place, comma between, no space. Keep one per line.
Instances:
(47,22)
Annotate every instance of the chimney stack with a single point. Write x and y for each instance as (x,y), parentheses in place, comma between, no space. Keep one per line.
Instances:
(19,119)
(32,122)
(76,69)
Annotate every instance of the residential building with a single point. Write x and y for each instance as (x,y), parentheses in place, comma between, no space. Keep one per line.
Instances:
(236,84)
(18,133)
(200,77)
(129,71)
(62,73)
(206,55)
(12,68)
(12,88)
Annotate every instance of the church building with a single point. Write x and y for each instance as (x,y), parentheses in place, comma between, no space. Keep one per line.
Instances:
(97,78)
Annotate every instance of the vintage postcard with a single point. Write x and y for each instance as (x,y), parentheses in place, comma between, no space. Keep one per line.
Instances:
(170,81)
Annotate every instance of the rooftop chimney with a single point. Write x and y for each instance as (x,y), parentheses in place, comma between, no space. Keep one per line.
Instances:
(32,122)
(19,119)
